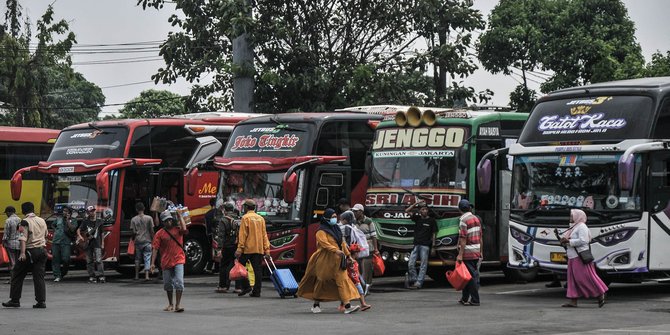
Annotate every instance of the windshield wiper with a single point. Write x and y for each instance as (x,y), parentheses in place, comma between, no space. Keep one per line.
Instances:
(283,126)
(561,206)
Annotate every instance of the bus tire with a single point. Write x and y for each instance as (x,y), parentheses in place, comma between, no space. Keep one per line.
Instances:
(519,275)
(196,251)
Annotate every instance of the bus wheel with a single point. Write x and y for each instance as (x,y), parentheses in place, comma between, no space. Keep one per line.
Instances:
(438,275)
(194,248)
(519,275)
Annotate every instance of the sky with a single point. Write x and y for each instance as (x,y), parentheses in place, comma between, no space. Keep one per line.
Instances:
(122,76)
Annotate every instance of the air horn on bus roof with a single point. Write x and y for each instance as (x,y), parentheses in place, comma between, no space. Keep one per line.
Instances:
(414,117)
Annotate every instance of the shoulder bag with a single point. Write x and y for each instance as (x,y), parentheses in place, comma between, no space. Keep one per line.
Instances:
(586,256)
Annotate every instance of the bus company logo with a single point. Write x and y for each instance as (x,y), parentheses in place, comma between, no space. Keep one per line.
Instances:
(207,189)
(436,137)
(579,110)
(402,231)
(434,200)
(264,130)
(266,142)
(92,134)
(591,101)
(397,215)
(594,123)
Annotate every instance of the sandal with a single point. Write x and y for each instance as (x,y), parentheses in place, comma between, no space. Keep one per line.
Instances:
(169,308)
(567,304)
(366,307)
(221,290)
(601,302)
(179,310)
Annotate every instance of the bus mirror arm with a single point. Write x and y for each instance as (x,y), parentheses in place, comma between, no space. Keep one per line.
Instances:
(485,170)
(16,183)
(626,166)
(290,181)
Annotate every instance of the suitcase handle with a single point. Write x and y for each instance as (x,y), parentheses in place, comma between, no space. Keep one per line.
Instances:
(273,265)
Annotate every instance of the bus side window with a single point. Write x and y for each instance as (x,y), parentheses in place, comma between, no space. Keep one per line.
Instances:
(661,130)
(329,140)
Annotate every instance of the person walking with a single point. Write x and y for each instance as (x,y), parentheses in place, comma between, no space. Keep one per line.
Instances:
(89,235)
(65,229)
(425,228)
(583,281)
(326,278)
(252,244)
(10,239)
(469,251)
(211,224)
(355,275)
(32,257)
(366,225)
(170,242)
(143,234)
(226,237)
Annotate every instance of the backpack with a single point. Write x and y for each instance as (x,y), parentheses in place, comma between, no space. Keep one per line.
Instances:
(356,235)
(231,228)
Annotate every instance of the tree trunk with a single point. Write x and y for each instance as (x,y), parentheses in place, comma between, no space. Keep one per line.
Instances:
(243,79)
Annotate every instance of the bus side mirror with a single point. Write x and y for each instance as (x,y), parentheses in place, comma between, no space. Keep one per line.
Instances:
(16,185)
(192,181)
(290,187)
(626,172)
(484,176)
(102,184)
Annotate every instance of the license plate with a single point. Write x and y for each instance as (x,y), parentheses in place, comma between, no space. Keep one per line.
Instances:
(558,257)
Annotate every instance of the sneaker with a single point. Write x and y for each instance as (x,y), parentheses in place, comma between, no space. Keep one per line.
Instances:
(91,280)
(11,303)
(352,309)
(417,285)
(244,292)
(316,309)
(40,305)
(367,290)
(57,279)
(101,280)
(470,303)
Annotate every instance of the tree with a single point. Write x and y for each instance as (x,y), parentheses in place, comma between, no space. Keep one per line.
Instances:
(153,104)
(306,52)
(591,41)
(659,65)
(522,99)
(41,89)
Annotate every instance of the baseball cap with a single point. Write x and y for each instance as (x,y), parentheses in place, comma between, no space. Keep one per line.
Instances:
(464,205)
(166,215)
(358,207)
(90,208)
(10,209)
(250,202)
(228,206)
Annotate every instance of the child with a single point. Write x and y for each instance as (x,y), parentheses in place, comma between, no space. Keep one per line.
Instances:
(355,276)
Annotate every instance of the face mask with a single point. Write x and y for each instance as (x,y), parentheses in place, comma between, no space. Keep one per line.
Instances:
(333,221)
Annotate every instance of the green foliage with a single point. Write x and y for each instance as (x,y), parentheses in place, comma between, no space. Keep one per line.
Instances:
(659,65)
(41,89)
(315,55)
(153,104)
(522,99)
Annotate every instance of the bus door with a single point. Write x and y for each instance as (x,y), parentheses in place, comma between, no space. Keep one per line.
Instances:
(330,184)
(170,185)
(486,204)
(658,189)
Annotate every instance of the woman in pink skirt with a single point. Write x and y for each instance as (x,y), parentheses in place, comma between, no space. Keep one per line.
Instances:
(583,282)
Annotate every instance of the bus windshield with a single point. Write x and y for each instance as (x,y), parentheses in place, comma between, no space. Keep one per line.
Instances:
(265,189)
(572,181)
(75,191)
(90,143)
(447,171)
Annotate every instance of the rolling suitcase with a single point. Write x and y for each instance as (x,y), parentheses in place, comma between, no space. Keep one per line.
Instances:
(283,280)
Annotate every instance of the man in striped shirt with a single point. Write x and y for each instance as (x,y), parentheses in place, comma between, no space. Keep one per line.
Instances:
(469,251)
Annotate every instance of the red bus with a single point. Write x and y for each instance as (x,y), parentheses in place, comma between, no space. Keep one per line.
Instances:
(19,147)
(114,164)
(295,166)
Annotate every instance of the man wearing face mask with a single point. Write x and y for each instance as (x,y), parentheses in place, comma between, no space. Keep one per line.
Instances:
(252,244)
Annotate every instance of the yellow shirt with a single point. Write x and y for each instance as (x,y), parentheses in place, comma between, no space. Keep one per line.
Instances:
(253,238)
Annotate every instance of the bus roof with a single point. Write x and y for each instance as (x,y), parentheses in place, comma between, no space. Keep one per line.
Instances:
(312,117)
(650,86)
(466,117)
(28,135)
(194,118)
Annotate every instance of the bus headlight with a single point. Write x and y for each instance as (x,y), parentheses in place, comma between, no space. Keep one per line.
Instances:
(385,255)
(283,240)
(615,237)
(396,255)
(520,236)
(405,257)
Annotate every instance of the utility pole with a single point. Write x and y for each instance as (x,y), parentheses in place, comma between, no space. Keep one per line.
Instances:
(243,71)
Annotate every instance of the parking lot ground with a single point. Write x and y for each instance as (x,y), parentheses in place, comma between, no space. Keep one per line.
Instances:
(123,306)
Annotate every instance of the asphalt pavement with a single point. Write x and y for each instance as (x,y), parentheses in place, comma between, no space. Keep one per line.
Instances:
(123,306)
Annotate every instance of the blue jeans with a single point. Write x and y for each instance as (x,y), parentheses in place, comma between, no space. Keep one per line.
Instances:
(422,252)
(173,278)
(143,253)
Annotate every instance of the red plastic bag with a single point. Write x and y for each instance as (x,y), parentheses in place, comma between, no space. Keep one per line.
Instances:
(4,256)
(238,271)
(460,277)
(131,247)
(378,266)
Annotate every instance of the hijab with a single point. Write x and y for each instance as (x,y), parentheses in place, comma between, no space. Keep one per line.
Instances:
(577,216)
(349,216)
(332,230)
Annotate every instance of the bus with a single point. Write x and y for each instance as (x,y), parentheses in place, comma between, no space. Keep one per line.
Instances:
(295,166)
(19,147)
(602,148)
(114,164)
(425,153)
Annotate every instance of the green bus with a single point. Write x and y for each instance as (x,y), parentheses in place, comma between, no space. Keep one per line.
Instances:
(430,154)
